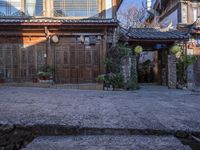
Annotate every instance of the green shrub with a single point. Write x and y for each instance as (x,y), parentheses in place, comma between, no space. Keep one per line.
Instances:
(46,71)
(117,80)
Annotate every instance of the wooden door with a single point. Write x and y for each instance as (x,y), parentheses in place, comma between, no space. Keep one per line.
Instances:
(31,61)
(76,62)
(92,63)
(9,61)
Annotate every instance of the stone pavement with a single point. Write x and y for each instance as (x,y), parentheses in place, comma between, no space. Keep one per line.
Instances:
(148,108)
(107,143)
(151,109)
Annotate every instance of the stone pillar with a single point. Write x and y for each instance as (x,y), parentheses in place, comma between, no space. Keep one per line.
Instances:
(190,72)
(134,73)
(126,68)
(172,77)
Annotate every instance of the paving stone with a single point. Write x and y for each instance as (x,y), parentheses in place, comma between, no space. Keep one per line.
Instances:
(151,107)
(107,143)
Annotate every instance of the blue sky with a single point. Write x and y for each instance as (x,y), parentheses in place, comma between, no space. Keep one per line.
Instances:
(127,3)
(136,2)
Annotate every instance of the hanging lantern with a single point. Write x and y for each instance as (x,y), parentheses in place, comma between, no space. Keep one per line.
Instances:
(138,49)
(175,49)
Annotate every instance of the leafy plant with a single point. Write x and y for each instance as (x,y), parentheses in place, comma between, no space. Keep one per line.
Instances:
(46,71)
(132,84)
(124,50)
(109,64)
(183,63)
(117,80)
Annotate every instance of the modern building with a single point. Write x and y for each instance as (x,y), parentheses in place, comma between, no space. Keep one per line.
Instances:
(71,35)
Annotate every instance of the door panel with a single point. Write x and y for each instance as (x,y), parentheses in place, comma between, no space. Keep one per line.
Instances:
(76,62)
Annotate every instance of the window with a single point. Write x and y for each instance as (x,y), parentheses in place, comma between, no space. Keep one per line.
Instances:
(195,14)
(34,7)
(76,8)
(10,7)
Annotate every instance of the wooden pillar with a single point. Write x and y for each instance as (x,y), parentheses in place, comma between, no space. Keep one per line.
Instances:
(114,8)
(48,8)
(103,52)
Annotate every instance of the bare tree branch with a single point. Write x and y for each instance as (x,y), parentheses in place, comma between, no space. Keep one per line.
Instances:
(133,16)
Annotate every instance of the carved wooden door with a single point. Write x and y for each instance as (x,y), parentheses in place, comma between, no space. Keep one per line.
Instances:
(76,62)
(9,62)
(31,60)
(92,62)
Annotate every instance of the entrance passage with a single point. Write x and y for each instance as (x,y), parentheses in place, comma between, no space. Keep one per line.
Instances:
(148,67)
(76,62)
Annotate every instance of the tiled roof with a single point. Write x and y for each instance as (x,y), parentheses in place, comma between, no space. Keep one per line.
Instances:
(152,34)
(196,25)
(55,21)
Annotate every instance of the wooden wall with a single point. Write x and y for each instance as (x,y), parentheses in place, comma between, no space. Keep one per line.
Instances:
(22,56)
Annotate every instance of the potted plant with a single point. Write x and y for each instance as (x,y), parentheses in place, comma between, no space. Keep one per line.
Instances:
(101,79)
(45,73)
(1,78)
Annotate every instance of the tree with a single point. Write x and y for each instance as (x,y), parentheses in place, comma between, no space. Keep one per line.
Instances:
(132,16)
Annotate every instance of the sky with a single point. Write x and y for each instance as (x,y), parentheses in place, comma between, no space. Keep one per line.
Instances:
(127,3)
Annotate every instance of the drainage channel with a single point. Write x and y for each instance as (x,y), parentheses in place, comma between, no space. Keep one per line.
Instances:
(15,137)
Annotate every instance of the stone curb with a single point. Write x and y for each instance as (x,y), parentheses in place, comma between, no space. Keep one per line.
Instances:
(18,136)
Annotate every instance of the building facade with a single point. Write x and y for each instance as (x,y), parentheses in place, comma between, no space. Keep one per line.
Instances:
(182,15)
(70,35)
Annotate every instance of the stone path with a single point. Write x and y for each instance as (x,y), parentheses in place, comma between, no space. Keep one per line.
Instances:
(149,109)
(107,143)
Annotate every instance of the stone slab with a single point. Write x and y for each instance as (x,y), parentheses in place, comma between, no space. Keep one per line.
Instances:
(107,143)
(153,107)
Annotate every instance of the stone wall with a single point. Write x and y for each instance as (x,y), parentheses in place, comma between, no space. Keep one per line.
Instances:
(172,76)
(14,138)
(190,72)
(126,68)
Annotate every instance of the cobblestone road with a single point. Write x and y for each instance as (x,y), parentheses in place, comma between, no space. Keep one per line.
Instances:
(148,108)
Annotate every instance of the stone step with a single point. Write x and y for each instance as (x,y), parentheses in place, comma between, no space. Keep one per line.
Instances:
(106,142)
(83,86)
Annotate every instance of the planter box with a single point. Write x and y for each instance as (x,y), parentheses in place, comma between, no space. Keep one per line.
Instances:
(45,81)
